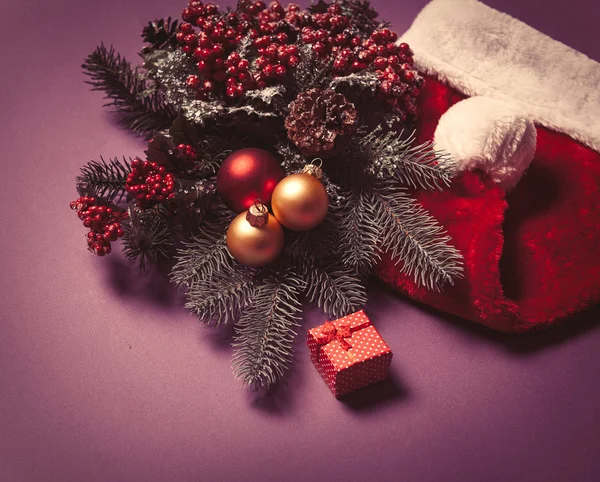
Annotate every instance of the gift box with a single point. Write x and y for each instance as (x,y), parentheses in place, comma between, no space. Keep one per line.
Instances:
(349,353)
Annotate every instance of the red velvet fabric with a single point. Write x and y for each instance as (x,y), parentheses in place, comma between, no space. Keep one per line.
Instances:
(532,257)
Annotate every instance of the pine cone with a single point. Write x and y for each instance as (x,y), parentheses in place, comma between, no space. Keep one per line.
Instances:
(317,118)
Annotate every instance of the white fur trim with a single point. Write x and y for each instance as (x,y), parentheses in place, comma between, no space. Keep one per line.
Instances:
(489,134)
(481,51)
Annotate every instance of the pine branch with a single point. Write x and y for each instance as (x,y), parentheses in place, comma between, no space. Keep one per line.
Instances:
(390,154)
(205,255)
(334,288)
(312,72)
(359,230)
(142,110)
(147,236)
(365,80)
(106,179)
(265,332)
(222,297)
(415,239)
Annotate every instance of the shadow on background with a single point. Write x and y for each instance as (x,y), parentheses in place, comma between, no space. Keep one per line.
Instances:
(388,391)
(522,343)
(128,281)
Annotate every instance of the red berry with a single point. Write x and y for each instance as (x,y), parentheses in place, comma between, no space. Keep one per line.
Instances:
(193,81)
(380,63)
(269,71)
(319,48)
(280,71)
(187,28)
(203,66)
(293,61)
(190,39)
(321,35)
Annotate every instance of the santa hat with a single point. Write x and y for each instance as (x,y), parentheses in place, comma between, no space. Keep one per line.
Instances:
(520,114)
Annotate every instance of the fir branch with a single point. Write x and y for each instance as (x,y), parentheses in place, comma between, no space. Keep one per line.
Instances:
(312,72)
(415,239)
(292,159)
(364,81)
(205,255)
(362,14)
(141,110)
(269,99)
(106,179)
(222,297)
(359,230)
(265,333)
(334,288)
(147,236)
(170,71)
(390,154)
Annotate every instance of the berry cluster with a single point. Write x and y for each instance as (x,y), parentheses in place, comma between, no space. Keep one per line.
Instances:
(331,34)
(276,57)
(186,152)
(328,32)
(400,83)
(103,221)
(217,37)
(148,182)
(239,79)
(276,31)
(274,37)
(221,70)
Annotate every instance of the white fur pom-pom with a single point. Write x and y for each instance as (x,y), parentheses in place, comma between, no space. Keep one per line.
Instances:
(488,134)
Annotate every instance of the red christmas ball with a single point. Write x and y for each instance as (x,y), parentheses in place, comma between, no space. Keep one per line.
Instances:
(246,175)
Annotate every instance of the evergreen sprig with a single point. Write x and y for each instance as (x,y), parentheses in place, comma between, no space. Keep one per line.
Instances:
(265,333)
(414,238)
(105,179)
(333,287)
(392,154)
(359,231)
(205,255)
(147,236)
(141,109)
(222,297)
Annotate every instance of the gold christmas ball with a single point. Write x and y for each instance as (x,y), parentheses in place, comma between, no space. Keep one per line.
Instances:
(300,202)
(254,246)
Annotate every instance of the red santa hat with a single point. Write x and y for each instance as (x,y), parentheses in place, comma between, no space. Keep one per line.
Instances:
(520,113)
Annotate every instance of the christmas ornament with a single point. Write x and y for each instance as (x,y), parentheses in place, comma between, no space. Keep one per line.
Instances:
(300,201)
(255,237)
(317,118)
(349,353)
(248,174)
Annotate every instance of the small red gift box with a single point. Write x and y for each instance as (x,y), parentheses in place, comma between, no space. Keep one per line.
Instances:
(349,353)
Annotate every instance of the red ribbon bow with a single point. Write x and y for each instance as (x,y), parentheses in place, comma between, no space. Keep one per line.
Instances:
(331,332)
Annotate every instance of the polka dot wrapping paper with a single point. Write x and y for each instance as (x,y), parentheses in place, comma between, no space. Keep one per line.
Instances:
(349,353)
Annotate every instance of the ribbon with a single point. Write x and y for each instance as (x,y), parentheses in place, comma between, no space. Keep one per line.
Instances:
(330,332)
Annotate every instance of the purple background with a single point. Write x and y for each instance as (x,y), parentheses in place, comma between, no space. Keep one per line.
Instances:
(104,377)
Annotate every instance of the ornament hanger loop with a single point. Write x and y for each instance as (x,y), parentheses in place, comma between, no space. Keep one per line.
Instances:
(259,206)
(317,162)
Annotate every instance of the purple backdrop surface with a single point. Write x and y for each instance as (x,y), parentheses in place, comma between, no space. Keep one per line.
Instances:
(104,377)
